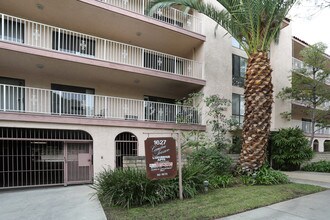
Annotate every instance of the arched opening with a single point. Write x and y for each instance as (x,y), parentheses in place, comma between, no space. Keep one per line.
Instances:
(327,146)
(316,146)
(126,145)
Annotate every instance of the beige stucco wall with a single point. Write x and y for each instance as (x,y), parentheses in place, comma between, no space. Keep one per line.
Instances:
(281,62)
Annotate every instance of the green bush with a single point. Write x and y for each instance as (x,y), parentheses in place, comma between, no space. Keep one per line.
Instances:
(265,176)
(222,181)
(321,166)
(131,187)
(268,176)
(212,159)
(290,148)
(193,176)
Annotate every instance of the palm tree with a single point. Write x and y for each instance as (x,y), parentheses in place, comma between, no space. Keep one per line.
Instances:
(255,24)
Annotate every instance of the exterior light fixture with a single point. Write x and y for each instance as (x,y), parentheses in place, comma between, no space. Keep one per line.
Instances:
(206,186)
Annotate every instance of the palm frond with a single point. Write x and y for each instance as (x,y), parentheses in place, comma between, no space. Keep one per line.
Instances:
(254,24)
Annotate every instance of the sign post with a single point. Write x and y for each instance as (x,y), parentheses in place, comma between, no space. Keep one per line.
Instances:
(161,158)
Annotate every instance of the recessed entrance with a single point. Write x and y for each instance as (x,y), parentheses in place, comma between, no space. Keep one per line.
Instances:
(126,145)
(37,157)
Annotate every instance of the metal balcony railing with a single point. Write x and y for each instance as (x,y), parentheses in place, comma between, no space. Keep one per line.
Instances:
(53,102)
(22,31)
(306,126)
(170,16)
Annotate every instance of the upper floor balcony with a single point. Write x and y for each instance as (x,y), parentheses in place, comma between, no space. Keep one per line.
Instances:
(170,16)
(169,30)
(36,101)
(298,64)
(306,126)
(33,34)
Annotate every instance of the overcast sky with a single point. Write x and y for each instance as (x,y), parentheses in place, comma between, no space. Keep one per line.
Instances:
(311,25)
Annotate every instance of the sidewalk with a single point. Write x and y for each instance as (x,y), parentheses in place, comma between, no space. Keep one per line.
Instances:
(312,178)
(310,207)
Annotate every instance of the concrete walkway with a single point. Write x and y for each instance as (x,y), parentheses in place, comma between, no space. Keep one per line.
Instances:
(312,178)
(53,203)
(309,207)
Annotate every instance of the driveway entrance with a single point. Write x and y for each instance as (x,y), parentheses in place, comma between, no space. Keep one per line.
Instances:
(54,203)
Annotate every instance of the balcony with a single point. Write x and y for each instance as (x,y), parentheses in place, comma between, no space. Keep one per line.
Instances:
(61,103)
(170,16)
(306,126)
(298,64)
(24,32)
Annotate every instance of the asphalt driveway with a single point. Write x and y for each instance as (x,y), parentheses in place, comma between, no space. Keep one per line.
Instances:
(53,203)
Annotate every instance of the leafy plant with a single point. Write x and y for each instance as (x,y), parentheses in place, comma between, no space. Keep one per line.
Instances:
(248,180)
(264,176)
(212,159)
(290,148)
(223,181)
(130,187)
(268,176)
(320,166)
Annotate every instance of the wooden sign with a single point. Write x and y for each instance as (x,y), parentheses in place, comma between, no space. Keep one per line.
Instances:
(160,158)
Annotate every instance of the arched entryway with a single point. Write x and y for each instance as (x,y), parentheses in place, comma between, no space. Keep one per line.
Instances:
(126,145)
(316,146)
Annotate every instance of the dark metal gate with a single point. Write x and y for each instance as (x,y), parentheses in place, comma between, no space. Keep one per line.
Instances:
(38,157)
(126,145)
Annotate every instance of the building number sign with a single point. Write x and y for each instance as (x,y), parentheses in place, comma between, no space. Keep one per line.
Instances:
(160,158)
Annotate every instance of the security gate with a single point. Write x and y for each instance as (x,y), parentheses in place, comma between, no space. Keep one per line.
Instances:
(78,163)
(39,157)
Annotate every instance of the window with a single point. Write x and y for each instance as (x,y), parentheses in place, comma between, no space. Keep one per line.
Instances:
(15,94)
(159,109)
(72,100)
(239,69)
(238,108)
(13,30)
(163,63)
(80,45)
(235,43)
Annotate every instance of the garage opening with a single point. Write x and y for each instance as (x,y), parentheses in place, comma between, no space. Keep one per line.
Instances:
(37,157)
(126,145)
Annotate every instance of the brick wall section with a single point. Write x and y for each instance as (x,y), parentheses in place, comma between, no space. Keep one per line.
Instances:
(140,162)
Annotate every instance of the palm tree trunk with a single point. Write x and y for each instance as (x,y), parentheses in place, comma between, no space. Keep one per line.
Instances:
(258,109)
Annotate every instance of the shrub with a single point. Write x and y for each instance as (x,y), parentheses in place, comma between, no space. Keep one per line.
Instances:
(193,176)
(265,176)
(212,159)
(268,176)
(248,180)
(321,166)
(290,148)
(222,181)
(131,187)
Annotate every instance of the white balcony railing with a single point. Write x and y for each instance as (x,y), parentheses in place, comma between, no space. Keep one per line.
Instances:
(170,16)
(22,31)
(306,126)
(53,102)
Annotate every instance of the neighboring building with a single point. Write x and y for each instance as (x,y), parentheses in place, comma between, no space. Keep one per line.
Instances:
(84,83)
(299,115)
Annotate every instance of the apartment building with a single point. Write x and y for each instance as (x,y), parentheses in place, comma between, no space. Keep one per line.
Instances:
(84,83)
(299,115)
